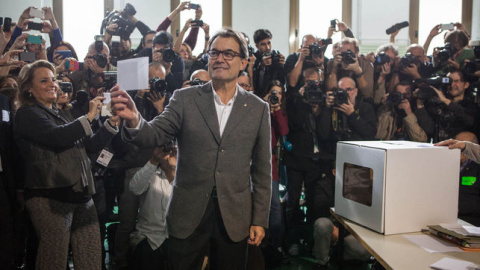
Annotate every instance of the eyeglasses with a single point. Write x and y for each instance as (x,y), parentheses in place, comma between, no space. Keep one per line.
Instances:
(244,85)
(227,55)
(347,89)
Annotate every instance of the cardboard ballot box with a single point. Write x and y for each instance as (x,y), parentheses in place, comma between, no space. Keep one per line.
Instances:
(396,186)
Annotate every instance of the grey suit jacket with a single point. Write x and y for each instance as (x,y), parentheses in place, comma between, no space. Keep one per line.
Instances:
(238,163)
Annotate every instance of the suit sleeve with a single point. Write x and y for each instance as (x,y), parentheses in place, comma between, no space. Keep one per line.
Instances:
(261,172)
(161,129)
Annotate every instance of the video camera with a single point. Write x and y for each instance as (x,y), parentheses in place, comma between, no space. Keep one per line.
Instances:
(314,92)
(426,92)
(125,26)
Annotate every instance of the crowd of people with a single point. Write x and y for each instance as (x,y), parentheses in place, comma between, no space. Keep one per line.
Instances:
(69,156)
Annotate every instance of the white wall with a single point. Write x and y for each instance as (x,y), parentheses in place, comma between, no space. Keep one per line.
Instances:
(274,15)
(476,20)
(371,18)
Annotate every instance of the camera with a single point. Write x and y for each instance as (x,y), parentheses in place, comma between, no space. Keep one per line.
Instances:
(396,27)
(66,87)
(109,80)
(314,92)
(341,96)
(197,81)
(273,99)
(348,57)
(382,58)
(407,61)
(471,67)
(158,85)
(125,26)
(115,49)
(198,23)
(446,52)
(394,99)
(168,54)
(275,56)
(99,58)
(316,50)
(250,50)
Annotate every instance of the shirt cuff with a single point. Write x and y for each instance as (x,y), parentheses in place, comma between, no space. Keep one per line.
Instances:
(86,125)
(110,128)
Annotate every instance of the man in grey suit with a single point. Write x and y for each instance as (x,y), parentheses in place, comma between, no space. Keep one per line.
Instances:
(222,188)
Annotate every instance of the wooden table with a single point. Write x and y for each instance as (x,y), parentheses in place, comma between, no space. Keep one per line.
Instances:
(396,252)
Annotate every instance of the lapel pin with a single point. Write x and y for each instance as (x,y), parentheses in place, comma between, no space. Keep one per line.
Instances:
(245,104)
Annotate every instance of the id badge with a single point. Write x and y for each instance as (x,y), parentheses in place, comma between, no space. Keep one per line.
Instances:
(104,158)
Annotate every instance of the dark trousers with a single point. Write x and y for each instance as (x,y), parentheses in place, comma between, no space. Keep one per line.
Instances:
(209,239)
(145,258)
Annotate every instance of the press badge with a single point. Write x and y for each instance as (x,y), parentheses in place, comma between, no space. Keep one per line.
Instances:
(5,116)
(468,180)
(104,158)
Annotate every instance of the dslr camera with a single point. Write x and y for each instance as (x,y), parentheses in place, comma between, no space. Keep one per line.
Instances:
(158,85)
(348,57)
(66,87)
(275,56)
(316,50)
(446,52)
(99,58)
(407,61)
(382,58)
(273,99)
(314,92)
(394,99)
(197,81)
(341,96)
(168,54)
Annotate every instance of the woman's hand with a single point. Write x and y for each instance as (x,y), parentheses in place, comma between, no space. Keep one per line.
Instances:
(94,108)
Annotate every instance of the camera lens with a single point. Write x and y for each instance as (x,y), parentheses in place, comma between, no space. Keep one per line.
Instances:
(168,55)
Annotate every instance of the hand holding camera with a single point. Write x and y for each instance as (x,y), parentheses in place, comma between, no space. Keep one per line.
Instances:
(346,108)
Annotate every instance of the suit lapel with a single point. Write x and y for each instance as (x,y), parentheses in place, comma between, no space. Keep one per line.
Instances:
(239,112)
(205,104)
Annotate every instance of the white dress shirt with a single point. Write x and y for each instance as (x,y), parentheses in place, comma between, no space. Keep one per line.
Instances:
(223,110)
(155,189)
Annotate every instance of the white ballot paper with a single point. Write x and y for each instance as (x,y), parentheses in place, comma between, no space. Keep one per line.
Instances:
(453,264)
(132,74)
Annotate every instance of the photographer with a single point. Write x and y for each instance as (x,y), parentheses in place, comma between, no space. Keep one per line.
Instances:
(299,61)
(396,118)
(384,62)
(269,63)
(153,183)
(279,127)
(303,161)
(454,53)
(448,112)
(150,102)
(174,65)
(347,63)
(346,118)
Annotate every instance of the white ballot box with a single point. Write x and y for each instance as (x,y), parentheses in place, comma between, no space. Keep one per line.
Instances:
(396,186)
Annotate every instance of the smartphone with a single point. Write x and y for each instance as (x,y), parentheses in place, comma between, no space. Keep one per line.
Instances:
(28,57)
(193,6)
(65,54)
(73,65)
(333,23)
(447,26)
(106,106)
(7,24)
(35,26)
(107,97)
(38,13)
(198,23)
(34,39)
